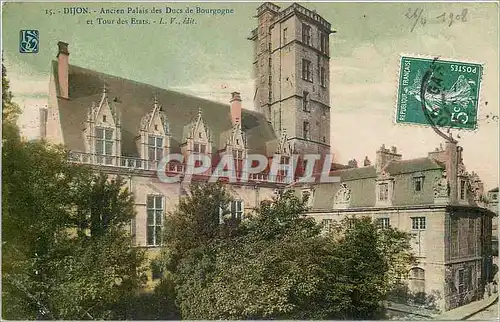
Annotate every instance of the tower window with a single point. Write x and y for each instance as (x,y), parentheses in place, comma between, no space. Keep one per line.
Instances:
(322,76)
(284,35)
(306,34)
(323,43)
(305,102)
(306,130)
(306,70)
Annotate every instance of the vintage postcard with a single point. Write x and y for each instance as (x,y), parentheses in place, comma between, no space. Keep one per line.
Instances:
(250,160)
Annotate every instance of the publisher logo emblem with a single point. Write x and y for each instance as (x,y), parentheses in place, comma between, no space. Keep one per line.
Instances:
(28,41)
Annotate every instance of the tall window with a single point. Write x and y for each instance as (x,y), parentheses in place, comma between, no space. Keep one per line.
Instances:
(418,223)
(322,76)
(305,102)
(284,35)
(155,148)
(306,70)
(306,195)
(327,225)
(462,189)
(306,34)
(155,219)
(237,209)
(306,130)
(417,279)
(104,144)
(385,223)
(323,43)
(383,191)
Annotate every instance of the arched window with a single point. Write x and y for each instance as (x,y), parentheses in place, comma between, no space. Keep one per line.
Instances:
(417,280)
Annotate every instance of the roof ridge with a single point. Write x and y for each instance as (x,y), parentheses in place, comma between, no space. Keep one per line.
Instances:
(151,85)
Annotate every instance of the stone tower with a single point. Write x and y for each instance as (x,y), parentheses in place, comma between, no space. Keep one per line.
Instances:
(291,70)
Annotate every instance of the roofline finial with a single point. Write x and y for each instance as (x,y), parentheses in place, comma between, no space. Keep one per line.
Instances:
(199,111)
(155,102)
(104,90)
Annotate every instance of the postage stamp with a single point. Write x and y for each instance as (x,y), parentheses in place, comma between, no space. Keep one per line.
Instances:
(441,93)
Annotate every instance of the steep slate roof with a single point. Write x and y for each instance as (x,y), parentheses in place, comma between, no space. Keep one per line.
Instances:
(355,173)
(134,100)
(413,165)
(393,168)
(324,192)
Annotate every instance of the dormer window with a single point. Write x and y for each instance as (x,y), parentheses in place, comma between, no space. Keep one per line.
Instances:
(199,135)
(104,144)
(199,148)
(238,154)
(156,127)
(155,148)
(383,191)
(104,118)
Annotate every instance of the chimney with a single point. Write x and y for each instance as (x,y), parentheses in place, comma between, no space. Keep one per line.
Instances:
(438,154)
(453,155)
(235,108)
(62,69)
(385,156)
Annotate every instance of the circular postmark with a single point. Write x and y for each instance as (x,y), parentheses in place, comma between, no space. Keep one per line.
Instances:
(446,105)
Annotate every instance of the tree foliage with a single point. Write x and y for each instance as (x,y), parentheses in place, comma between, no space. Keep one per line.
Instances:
(65,251)
(278,264)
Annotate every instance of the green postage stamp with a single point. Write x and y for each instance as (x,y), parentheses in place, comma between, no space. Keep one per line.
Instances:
(439,93)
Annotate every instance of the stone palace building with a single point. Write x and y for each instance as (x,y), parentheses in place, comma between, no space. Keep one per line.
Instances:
(124,127)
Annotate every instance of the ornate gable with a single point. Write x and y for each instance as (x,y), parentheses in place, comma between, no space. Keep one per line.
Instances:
(102,129)
(197,130)
(237,139)
(155,121)
(342,197)
(105,114)
(196,137)
(153,141)
(442,187)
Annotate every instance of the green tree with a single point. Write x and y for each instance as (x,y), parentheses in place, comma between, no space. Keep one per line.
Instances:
(195,222)
(65,249)
(279,265)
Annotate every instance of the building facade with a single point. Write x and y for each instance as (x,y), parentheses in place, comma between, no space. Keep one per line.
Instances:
(126,128)
(450,226)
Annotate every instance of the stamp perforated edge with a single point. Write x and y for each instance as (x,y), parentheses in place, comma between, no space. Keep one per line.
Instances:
(445,58)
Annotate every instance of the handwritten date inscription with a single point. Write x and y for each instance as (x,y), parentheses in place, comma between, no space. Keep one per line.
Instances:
(419,17)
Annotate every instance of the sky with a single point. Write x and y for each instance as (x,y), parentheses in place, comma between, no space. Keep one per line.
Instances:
(213,58)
